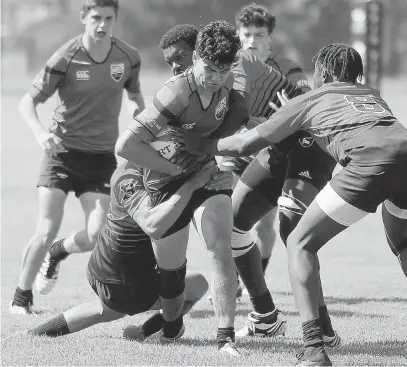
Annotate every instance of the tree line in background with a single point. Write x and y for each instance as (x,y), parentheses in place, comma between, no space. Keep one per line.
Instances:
(303,27)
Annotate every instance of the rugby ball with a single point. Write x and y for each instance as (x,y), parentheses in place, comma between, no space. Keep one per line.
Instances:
(166,147)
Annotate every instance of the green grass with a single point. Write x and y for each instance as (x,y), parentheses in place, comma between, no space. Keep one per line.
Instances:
(365,290)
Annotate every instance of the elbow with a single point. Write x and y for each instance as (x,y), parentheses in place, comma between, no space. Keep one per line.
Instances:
(153,232)
(25,103)
(120,147)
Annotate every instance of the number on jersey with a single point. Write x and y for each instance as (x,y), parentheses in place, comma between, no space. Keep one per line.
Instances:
(364,104)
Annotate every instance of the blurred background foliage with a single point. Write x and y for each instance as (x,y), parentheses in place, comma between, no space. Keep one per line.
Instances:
(39,27)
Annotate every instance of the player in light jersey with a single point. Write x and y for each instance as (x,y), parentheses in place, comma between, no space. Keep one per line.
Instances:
(252,79)
(122,269)
(355,126)
(202,100)
(89,74)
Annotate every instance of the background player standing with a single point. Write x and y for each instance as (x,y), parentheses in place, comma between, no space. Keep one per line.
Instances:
(89,74)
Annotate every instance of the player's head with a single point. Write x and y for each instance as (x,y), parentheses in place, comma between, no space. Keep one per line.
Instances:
(178,45)
(255,25)
(99,17)
(216,50)
(337,62)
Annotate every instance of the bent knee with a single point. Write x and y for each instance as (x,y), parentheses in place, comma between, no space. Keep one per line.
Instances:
(197,286)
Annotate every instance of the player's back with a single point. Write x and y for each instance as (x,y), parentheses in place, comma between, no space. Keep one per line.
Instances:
(345,118)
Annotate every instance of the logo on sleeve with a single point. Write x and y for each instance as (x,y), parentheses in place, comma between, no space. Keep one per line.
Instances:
(221,109)
(129,191)
(82,75)
(117,71)
(306,141)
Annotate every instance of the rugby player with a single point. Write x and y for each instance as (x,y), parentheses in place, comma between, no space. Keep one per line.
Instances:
(258,192)
(89,74)
(201,99)
(352,123)
(122,269)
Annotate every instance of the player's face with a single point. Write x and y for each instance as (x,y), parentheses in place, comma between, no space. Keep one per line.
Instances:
(99,22)
(209,76)
(256,40)
(178,56)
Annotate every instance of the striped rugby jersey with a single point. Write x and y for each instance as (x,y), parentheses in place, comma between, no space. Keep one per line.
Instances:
(123,253)
(89,93)
(335,114)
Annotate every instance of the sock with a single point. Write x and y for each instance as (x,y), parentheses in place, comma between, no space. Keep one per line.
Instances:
(153,324)
(312,333)
(57,251)
(54,327)
(172,328)
(224,334)
(23,298)
(326,324)
(264,263)
(263,303)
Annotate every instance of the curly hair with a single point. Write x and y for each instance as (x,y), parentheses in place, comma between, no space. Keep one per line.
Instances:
(185,32)
(218,43)
(89,4)
(340,61)
(256,15)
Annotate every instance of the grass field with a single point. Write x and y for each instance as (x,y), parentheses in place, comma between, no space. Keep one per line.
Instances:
(365,290)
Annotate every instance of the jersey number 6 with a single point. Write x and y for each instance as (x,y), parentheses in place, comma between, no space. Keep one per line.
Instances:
(364,104)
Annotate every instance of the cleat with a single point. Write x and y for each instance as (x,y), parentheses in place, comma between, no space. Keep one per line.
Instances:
(134,332)
(47,275)
(164,339)
(21,310)
(264,325)
(313,357)
(332,341)
(230,348)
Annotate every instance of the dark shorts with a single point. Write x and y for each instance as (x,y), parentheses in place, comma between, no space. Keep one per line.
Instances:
(78,171)
(197,199)
(129,299)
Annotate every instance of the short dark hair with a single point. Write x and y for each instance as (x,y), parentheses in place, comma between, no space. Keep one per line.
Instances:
(256,15)
(218,43)
(89,4)
(185,32)
(340,61)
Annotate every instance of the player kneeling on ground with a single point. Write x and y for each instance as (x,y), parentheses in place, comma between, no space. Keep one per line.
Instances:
(122,269)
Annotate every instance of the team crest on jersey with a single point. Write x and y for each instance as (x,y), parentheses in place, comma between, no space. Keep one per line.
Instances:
(220,109)
(306,141)
(129,191)
(82,75)
(117,71)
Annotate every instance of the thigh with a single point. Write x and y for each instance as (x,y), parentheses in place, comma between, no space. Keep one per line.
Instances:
(95,206)
(51,203)
(170,252)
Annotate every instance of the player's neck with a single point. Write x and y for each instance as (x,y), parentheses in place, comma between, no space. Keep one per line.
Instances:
(98,50)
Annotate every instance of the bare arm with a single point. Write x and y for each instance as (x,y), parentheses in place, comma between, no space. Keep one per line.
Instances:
(135,103)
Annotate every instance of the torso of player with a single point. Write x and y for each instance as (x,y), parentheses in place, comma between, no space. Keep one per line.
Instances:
(89,93)
(123,252)
(178,103)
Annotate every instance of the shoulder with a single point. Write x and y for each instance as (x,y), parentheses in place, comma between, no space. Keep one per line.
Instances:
(178,87)
(131,51)
(285,64)
(63,55)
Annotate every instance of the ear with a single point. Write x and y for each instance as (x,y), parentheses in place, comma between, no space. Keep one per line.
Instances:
(326,78)
(83,17)
(194,57)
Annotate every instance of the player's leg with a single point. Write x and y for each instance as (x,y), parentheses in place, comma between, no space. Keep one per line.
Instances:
(265,236)
(213,221)
(51,206)
(395,225)
(170,254)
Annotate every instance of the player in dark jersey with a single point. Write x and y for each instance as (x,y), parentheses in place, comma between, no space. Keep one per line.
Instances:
(89,74)
(354,125)
(200,99)
(253,79)
(122,269)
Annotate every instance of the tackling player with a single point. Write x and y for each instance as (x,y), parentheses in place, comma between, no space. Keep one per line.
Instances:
(355,126)
(122,268)
(201,100)
(89,74)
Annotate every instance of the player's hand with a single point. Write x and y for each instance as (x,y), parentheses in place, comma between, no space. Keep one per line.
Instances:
(221,180)
(204,175)
(283,98)
(51,143)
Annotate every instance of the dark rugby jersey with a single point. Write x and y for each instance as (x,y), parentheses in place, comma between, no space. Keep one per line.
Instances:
(123,253)
(336,114)
(89,93)
(178,103)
